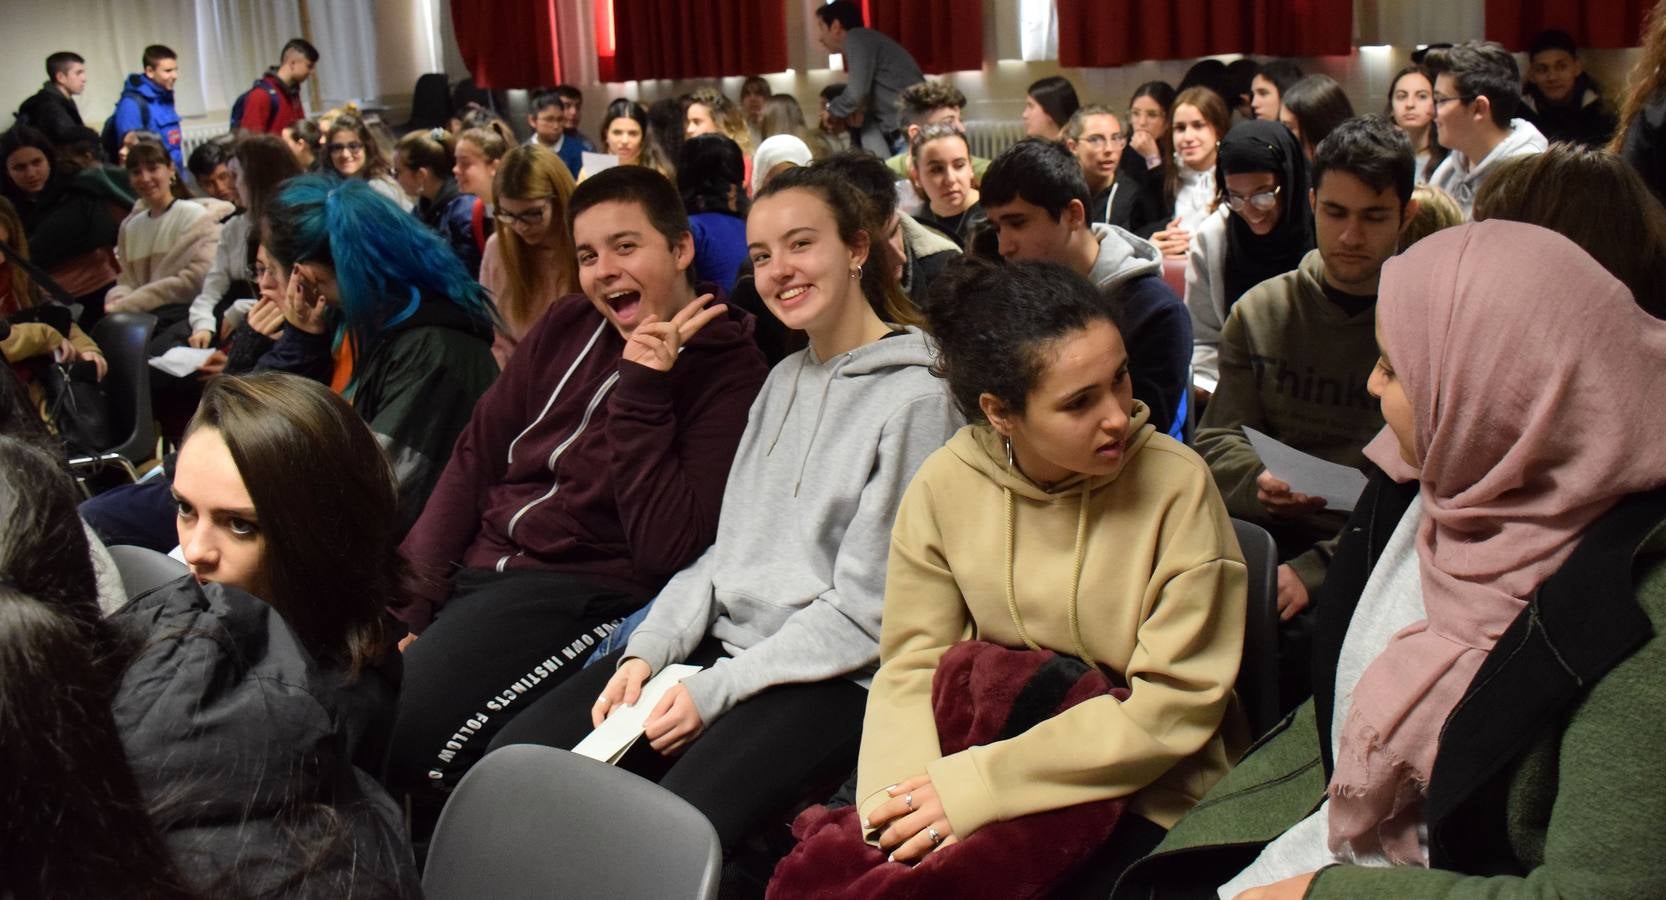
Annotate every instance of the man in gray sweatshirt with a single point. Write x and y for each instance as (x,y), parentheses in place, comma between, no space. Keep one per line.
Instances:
(1477,93)
(879,70)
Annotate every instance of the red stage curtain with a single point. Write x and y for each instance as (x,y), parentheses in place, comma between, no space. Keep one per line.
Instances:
(698,38)
(943,35)
(1593,23)
(1118,32)
(508,43)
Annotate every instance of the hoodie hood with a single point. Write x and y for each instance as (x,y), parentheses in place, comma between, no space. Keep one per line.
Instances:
(150,90)
(1123,256)
(902,349)
(922,241)
(980,447)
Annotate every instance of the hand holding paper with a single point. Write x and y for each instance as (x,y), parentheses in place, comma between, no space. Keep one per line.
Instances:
(1339,486)
(624,725)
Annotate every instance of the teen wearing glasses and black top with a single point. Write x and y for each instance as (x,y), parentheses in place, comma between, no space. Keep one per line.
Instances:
(1095,134)
(1261,227)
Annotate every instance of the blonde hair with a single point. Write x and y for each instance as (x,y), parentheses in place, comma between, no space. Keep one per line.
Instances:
(534,172)
(1435,210)
(725,115)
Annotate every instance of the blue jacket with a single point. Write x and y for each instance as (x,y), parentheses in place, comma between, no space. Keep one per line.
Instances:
(451,215)
(159,115)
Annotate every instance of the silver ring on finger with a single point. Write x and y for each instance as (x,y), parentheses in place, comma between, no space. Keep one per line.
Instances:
(931,832)
(602,698)
(908,801)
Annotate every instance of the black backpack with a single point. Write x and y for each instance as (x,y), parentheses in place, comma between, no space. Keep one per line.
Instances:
(271,108)
(110,138)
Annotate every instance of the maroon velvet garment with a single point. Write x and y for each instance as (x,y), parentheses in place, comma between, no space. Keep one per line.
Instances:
(982,693)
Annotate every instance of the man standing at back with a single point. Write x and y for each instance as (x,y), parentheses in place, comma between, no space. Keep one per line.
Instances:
(1477,95)
(879,70)
(274,103)
(53,109)
(147,103)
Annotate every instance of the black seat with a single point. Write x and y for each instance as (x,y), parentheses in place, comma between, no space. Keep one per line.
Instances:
(143,569)
(1258,674)
(526,818)
(122,338)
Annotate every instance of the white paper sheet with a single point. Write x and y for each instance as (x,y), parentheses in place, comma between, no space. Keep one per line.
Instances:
(1308,474)
(181,361)
(597,162)
(620,730)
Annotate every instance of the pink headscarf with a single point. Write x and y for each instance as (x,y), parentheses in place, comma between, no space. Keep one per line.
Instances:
(1532,377)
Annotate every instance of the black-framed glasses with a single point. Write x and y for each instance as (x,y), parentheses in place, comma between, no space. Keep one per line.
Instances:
(1098,141)
(1442,98)
(1262,200)
(349,147)
(530,217)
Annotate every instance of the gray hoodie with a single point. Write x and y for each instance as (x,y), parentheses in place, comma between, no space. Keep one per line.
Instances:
(1456,176)
(1123,255)
(795,583)
(1155,326)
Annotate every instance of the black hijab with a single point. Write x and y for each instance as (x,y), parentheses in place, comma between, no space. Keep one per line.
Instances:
(1263,146)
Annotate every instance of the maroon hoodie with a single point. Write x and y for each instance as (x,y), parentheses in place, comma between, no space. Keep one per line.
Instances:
(576,461)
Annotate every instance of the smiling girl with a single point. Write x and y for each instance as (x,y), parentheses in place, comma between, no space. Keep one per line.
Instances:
(785,620)
(1196,126)
(1262,228)
(351,151)
(166,246)
(942,162)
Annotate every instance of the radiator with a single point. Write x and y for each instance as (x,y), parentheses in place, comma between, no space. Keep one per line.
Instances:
(193,136)
(988,138)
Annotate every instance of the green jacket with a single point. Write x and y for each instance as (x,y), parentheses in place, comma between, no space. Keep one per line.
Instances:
(1548,781)
(1293,365)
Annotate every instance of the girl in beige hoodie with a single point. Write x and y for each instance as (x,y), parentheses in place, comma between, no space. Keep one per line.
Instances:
(1062,520)
(166,246)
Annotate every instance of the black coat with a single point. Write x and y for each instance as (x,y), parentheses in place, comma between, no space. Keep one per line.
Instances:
(50,112)
(244,747)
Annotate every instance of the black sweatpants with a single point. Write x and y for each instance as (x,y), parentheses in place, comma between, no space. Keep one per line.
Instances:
(502,641)
(747,769)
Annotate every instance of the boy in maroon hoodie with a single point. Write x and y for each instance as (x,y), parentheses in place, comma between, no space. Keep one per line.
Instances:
(591,472)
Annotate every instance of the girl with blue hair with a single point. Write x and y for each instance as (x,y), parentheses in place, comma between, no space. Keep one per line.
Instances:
(411,342)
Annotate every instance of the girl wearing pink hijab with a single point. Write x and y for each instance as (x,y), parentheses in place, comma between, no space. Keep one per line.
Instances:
(1490,650)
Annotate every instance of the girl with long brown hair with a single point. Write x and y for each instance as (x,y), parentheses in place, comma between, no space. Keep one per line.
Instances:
(529,260)
(1197,123)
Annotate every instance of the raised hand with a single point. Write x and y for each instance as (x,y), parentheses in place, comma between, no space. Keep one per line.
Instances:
(654,343)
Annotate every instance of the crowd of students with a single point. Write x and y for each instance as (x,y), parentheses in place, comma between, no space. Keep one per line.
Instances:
(919,457)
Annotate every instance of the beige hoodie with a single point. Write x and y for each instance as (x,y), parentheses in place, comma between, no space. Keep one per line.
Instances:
(1161,603)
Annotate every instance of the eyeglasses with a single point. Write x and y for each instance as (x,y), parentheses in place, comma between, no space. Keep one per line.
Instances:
(530,217)
(261,271)
(1262,200)
(1442,98)
(349,147)
(1098,141)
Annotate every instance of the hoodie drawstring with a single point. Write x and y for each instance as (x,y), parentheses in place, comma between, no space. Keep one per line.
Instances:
(1075,577)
